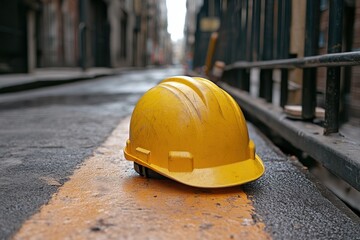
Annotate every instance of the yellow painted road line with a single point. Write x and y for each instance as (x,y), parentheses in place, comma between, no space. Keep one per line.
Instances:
(106,199)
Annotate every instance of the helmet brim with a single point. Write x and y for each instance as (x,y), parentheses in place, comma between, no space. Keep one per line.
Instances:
(215,177)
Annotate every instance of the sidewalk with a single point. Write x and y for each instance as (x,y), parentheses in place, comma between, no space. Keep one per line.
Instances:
(43,77)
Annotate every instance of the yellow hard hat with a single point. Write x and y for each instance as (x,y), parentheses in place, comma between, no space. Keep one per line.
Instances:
(192,131)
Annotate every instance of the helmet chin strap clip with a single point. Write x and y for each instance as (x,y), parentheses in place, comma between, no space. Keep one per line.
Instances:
(140,170)
(145,172)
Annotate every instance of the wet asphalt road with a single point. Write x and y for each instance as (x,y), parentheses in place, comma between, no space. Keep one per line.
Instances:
(47,133)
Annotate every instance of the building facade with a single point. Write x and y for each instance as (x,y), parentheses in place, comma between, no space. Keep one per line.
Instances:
(82,33)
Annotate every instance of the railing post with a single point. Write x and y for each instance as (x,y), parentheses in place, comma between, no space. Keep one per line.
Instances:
(280,29)
(254,45)
(266,83)
(332,101)
(228,31)
(284,53)
(311,43)
(238,42)
(255,31)
(245,77)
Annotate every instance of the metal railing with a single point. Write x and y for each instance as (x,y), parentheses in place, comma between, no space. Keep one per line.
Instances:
(254,43)
(256,34)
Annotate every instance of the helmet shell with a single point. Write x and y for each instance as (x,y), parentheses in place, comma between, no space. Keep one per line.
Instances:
(192,131)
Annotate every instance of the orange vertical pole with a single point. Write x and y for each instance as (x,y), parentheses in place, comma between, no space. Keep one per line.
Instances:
(210,52)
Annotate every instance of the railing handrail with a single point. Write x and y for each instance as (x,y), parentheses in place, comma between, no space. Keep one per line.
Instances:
(326,60)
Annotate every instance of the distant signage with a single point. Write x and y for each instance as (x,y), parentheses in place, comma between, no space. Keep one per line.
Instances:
(208,24)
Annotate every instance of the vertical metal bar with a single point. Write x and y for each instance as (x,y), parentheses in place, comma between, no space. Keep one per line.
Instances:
(246,52)
(240,44)
(255,31)
(229,33)
(238,40)
(279,35)
(254,43)
(245,49)
(286,8)
(235,29)
(222,44)
(200,36)
(332,101)
(280,29)
(267,83)
(311,43)
(227,74)
(261,50)
(349,19)
(254,34)
(233,32)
